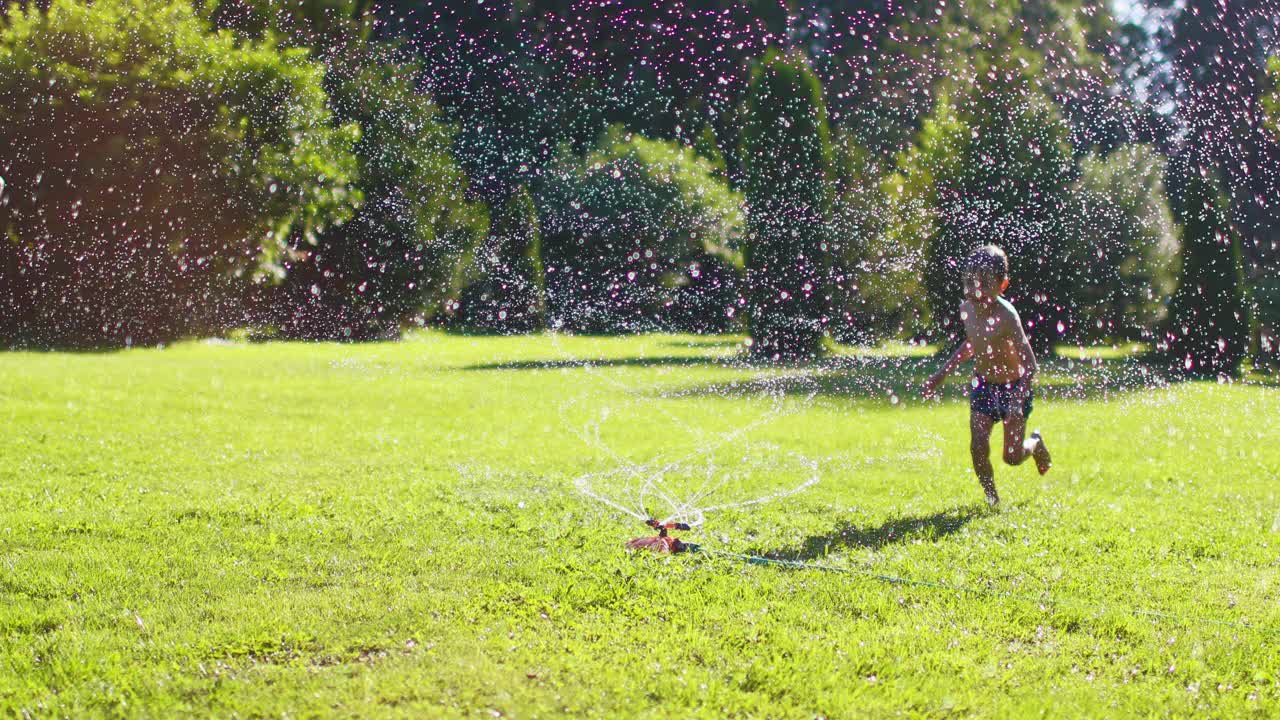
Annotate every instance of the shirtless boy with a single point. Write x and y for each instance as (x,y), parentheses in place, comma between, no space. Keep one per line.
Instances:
(1004,367)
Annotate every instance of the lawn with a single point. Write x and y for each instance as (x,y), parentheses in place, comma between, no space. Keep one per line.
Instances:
(400,529)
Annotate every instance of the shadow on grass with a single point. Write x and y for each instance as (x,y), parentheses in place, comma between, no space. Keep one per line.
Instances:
(69,349)
(700,343)
(896,379)
(891,378)
(655,361)
(846,535)
(739,361)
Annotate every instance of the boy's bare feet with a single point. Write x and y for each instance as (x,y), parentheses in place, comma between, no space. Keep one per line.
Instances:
(1041,453)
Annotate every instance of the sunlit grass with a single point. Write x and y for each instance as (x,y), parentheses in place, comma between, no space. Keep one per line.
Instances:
(1118,351)
(394,529)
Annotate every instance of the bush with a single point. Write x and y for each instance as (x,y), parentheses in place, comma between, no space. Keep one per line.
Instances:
(1271,100)
(1266,314)
(876,284)
(409,247)
(787,154)
(327,26)
(627,232)
(510,295)
(154,170)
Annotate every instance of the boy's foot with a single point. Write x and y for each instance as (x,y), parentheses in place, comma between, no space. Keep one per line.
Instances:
(993,500)
(1041,453)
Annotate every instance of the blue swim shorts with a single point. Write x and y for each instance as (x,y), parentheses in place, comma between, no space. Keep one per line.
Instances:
(996,400)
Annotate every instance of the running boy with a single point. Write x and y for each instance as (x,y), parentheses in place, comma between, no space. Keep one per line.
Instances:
(1004,367)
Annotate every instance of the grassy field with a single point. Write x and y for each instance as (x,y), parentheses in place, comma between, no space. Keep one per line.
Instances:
(398,530)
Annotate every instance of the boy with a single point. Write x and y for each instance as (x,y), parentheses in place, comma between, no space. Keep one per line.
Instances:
(1003,369)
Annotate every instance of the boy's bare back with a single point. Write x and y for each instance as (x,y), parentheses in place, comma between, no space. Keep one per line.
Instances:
(995,333)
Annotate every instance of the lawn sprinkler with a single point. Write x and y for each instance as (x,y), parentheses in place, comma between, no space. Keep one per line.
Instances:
(662,542)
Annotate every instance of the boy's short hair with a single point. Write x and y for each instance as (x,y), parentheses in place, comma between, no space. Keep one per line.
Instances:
(988,259)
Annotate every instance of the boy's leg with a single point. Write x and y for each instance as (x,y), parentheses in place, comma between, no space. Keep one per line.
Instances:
(1018,448)
(980,450)
(1015,443)
(1040,452)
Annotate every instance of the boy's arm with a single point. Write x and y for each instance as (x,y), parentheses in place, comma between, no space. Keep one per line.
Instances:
(961,354)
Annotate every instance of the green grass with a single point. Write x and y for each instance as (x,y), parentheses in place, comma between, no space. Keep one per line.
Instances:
(394,529)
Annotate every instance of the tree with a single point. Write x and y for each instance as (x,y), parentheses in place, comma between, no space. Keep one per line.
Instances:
(409,248)
(638,235)
(523,77)
(890,60)
(787,154)
(1266,290)
(154,169)
(1127,239)
(874,278)
(1218,51)
(510,294)
(993,165)
(1271,100)
(1209,328)
(329,27)
(487,75)
(1266,314)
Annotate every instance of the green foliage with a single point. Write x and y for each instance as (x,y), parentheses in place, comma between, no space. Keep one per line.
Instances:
(1127,239)
(409,247)
(326,26)
(1219,57)
(876,280)
(154,168)
(891,73)
(1271,100)
(523,77)
(992,165)
(1208,332)
(510,292)
(787,155)
(638,234)
(706,146)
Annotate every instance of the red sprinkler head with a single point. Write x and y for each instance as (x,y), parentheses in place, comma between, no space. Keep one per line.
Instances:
(662,542)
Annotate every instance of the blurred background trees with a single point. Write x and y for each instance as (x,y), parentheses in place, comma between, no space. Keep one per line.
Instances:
(1128,239)
(787,152)
(408,247)
(1207,333)
(509,293)
(994,164)
(346,168)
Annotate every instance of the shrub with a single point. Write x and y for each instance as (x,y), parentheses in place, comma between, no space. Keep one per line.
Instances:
(626,232)
(993,165)
(1127,240)
(408,249)
(787,154)
(510,294)
(154,170)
